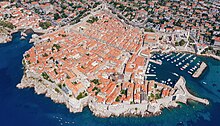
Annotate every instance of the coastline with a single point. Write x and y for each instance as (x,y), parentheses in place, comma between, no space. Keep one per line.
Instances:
(42,86)
(8,38)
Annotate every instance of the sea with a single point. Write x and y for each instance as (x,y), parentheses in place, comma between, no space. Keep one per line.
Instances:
(23,107)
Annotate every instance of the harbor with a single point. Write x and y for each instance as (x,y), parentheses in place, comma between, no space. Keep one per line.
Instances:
(166,68)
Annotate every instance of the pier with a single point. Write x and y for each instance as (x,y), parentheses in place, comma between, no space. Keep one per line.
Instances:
(159,62)
(199,70)
(183,95)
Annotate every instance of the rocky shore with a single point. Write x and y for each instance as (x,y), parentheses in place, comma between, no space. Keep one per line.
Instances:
(42,86)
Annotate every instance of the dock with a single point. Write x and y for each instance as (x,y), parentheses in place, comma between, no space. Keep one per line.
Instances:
(159,62)
(151,75)
(199,70)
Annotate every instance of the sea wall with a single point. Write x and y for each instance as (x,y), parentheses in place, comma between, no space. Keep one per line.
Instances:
(42,86)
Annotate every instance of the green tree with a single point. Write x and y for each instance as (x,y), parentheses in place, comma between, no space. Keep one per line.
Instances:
(56,16)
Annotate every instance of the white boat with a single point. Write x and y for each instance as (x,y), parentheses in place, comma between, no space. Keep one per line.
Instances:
(169,79)
(175,74)
(204,82)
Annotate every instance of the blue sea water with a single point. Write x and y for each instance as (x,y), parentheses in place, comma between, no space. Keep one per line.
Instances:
(22,107)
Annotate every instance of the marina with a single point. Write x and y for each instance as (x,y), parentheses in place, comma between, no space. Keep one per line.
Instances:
(164,67)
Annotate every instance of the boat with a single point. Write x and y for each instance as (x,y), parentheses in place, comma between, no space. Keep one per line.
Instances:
(204,82)
(22,38)
(189,72)
(175,74)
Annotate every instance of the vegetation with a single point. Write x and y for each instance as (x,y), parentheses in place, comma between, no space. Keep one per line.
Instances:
(92,20)
(182,42)
(67,76)
(74,82)
(45,25)
(7,24)
(118,99)
(55,71)
(155,85)
(95,81)
(97,90)
(57,90)
(45,55)
(148,30)
(123,92)
(81,95)
(45,76)
(56,16)
(57,46)
(218,52)
(27,56)
(157,96)
(59,85)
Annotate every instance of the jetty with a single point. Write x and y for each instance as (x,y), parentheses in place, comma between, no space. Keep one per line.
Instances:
(200,70)
(183,95)
(159,62)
